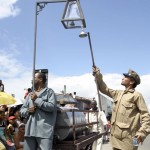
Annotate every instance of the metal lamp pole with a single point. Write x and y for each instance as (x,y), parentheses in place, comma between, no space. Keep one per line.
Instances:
(34,55)
(91,50)
(39,7)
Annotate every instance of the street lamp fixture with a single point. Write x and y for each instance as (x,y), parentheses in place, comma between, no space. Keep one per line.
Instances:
(73,16)
(83,34)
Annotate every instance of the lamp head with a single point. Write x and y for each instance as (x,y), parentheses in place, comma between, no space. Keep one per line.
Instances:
(72,24)
(83,34)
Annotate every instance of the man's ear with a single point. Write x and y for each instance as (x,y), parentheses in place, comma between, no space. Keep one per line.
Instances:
(41,79)
(132,82)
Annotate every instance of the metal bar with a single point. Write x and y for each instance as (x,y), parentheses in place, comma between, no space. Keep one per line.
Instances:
(64,146)
(88,141)
(89,38)
(51,1)
(97,120)
(34,55)
(35,34)
(74,130)
(80,139)
(91,49)
(88,117)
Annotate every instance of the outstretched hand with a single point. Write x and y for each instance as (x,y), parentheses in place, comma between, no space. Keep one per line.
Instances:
(139,138)
(95,70)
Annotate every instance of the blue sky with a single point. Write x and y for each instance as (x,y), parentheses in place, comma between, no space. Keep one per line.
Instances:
(120,34)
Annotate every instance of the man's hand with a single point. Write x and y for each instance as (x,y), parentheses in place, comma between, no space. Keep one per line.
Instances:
(33,96)
(95,70)
(139,138)
(32,109)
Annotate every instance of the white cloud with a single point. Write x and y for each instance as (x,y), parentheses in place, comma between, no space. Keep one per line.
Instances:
(10,67)
(17,78)
(8,8)
(14,75)
(83,85)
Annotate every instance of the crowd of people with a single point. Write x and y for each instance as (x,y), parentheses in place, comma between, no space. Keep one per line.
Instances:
(12,128)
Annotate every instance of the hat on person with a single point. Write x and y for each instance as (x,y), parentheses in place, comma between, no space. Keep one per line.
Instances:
(132,74)
(11,118)
(21,124)
(94,102)
(62,102)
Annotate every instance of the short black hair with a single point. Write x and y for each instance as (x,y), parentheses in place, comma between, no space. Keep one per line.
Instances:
(29,89)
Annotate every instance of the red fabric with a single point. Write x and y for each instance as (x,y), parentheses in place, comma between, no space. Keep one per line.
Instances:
(11,118)
(26,94)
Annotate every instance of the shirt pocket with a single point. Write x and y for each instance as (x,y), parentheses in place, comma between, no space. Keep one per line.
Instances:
(120,130)
(126,109)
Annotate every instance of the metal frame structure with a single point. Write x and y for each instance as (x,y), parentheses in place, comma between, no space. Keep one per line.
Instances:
(79,20)
(81,142)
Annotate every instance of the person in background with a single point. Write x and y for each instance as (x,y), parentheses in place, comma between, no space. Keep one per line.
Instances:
(29,90)
(16,114)
(7,144)
(130,118)
(10,132)
(19,137)
(108,131)
(1,86)
(6,110)
(97,144)
(40,111)
(2,129)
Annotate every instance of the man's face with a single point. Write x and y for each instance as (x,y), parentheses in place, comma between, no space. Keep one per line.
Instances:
(127,81)
(36,79)
(16,114)
(2,115)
